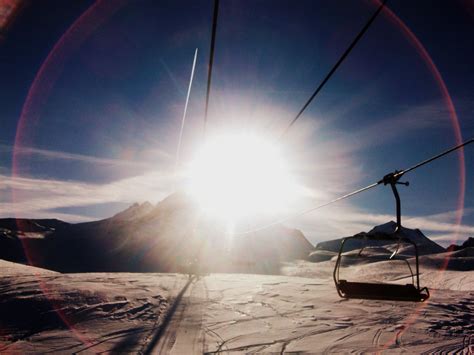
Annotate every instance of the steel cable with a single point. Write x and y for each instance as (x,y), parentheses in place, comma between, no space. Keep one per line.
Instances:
(396,175)
(334,68)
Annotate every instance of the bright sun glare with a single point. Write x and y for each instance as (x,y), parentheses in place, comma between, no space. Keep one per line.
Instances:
(235,176)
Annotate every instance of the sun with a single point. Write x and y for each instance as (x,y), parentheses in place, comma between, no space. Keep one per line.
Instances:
(240,175)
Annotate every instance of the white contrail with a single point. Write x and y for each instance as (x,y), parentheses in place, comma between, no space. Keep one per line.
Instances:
(186,108)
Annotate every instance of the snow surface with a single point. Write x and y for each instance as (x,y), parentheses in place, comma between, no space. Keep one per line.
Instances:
(121,312)
(43,311)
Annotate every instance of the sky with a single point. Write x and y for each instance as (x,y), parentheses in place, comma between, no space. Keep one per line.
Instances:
(92,96)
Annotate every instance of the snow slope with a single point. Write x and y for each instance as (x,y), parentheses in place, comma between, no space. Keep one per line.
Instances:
(219,313)
(43,311)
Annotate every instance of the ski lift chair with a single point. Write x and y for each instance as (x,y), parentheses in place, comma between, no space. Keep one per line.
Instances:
(383,291)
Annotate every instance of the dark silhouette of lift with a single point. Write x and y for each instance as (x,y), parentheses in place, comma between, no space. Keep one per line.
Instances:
(384,291)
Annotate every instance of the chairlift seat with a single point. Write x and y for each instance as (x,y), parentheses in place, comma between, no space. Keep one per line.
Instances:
(381,291)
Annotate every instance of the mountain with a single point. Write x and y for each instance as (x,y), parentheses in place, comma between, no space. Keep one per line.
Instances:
(171,236)
(19,236)
(468,243)
(23,225)
(424,244)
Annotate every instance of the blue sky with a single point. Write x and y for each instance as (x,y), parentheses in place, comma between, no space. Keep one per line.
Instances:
(102,89)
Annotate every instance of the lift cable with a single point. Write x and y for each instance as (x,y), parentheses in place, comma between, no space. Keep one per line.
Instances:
(334,68)
(211,60)
(400,173)
(391,178)
(387,179)
(273,224)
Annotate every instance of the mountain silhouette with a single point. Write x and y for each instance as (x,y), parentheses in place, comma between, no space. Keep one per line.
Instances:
(169,237)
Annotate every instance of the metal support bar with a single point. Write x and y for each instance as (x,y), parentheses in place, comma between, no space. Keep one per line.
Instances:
(399,208)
